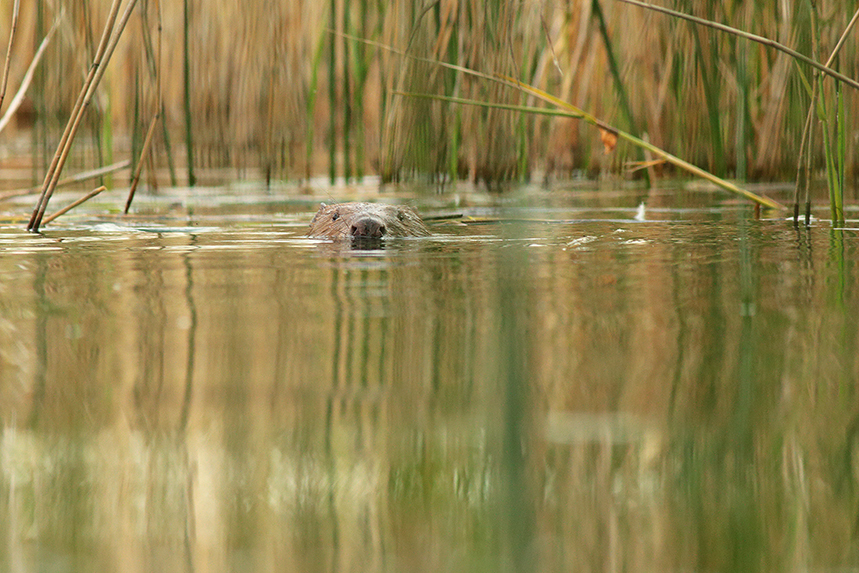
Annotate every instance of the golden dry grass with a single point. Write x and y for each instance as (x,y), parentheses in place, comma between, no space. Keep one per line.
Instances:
(272,88)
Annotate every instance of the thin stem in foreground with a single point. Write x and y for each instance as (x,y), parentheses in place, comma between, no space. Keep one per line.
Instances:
(68,208)
(5,80)
(143,154)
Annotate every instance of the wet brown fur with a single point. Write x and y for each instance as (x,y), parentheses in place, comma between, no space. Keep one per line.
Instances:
(366,221)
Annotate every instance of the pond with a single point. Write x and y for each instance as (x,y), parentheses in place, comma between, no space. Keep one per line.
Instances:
(551,382)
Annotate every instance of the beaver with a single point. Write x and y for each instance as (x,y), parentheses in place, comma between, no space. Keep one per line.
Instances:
(366,221)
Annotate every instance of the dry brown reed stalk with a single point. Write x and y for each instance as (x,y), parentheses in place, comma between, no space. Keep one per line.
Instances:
(71,206)
(5,81)
(144,152)
(107,45)
(74,119)
(84,176)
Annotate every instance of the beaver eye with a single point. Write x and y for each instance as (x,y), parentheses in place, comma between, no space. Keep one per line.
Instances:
(335,216)
(401,215)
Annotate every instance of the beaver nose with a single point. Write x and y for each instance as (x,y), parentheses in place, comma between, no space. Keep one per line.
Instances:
(369,228)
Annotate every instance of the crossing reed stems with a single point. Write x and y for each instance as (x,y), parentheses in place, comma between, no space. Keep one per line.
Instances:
(96,71)
(186,75)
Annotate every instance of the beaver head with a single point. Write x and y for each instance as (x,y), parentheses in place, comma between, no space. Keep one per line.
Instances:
(371,221)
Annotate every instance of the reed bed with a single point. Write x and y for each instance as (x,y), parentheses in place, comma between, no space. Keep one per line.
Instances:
(283,89)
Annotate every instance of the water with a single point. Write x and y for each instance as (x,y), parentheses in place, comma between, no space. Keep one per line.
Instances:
(554,387)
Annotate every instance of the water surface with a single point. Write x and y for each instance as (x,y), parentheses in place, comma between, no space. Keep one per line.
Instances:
(545,384)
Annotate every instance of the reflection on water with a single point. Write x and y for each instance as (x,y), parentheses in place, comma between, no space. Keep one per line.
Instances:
(598,393)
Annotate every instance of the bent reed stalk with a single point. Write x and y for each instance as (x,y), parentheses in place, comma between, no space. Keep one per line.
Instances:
(834,142)
(591,119)
(575,113)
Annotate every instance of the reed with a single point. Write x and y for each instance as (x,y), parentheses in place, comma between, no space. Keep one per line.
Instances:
(186,92)
(616,75)
(74,179)
(271,86)
(74,204)
(18,99)
(154,66)
(333,101)
(110,37)
(833,123)
(14,28)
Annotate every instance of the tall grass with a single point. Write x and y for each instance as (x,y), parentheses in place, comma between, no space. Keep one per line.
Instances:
(269,86)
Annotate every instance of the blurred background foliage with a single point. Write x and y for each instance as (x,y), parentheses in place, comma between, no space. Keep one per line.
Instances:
(283,89)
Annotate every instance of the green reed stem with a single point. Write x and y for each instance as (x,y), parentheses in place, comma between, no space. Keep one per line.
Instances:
(618,82)
(311,101)
(742,109)
(332,97)
(186,71)
(347,97)
(156,66)
(40,132)
(711,100)
(830,152)
(840,153)
(362,69)
(803,166)
(97,118)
